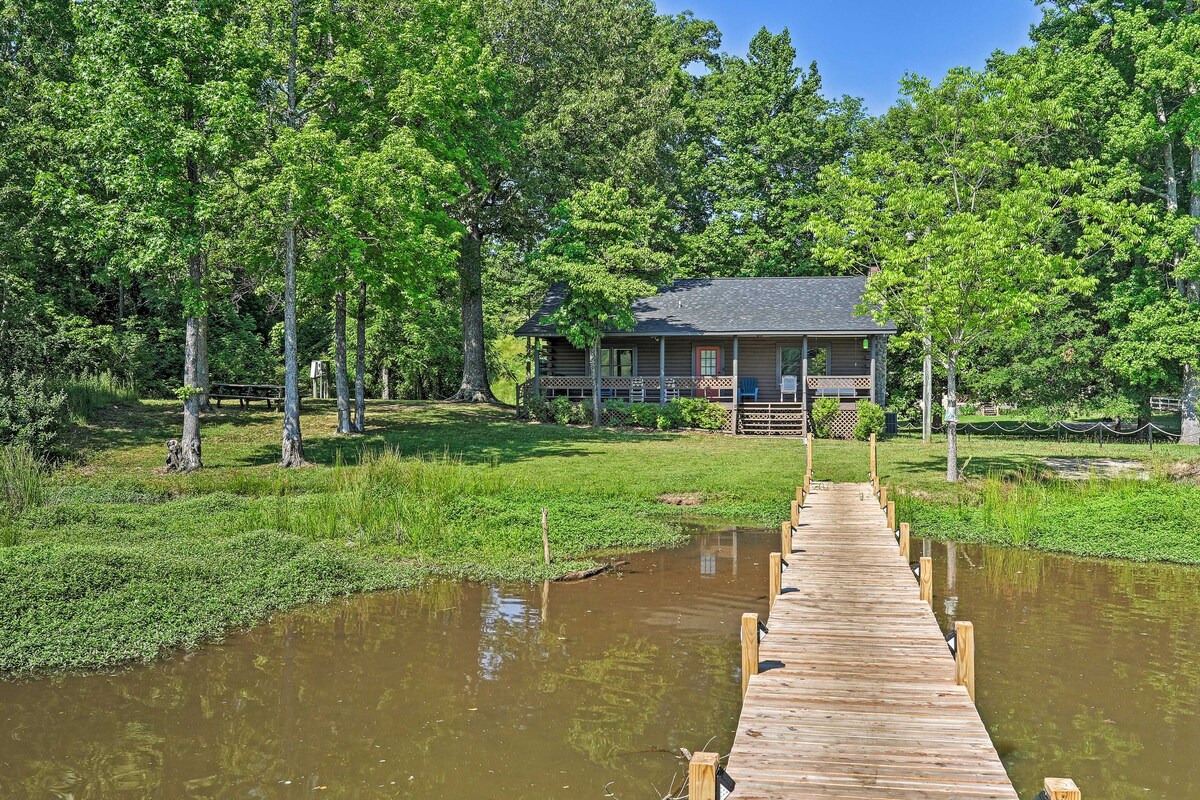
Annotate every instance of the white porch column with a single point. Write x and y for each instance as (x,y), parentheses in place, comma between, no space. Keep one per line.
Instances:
(735,385)
(874,399)
(804,379)
(662,370)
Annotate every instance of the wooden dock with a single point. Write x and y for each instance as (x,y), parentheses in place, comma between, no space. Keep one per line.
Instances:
(857,695)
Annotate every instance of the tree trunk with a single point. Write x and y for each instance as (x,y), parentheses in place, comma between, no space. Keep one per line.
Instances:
(385,379)
(360,362)
(293,444)
(202,376)
(952,416)
(339,361)
(597,384)
(475,387)
(189,455)
(292,454)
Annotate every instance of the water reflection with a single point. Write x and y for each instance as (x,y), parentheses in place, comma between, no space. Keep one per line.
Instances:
(1084,668)
(552,690)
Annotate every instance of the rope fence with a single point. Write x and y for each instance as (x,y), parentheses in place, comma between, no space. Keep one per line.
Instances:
(1063,431)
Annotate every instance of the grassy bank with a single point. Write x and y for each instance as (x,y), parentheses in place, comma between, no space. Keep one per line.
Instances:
(110,560)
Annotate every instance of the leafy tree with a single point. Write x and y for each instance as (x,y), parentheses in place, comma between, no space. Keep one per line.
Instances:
(965,236)
(760,135)
(608,251)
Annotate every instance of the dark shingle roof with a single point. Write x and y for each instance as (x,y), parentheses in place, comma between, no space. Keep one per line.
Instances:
(698,306)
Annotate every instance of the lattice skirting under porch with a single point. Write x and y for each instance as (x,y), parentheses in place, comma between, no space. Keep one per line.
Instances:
(842,426)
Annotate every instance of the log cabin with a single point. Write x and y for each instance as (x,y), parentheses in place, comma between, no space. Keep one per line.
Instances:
(765,349)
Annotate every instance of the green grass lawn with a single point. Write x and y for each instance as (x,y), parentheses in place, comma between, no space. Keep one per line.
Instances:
(122,562)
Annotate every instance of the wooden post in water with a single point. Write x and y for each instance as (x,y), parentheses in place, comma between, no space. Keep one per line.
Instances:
(775,581)
(795,513)
(1062,789)
(785,538)
(904,540)
(964,656)
(926,579)
(891,515)
(874,458)
(702,776)
(749,649)
(545,536)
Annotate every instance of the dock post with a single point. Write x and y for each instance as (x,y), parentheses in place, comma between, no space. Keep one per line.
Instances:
(775,581)
(785,538)
(795,513)
(891,515)
(1062,789)
(874,458)
(883,497)
(926,579)
(904,540)
(749,649)
(808,458)
(800,494)
(964,656)
(702,776)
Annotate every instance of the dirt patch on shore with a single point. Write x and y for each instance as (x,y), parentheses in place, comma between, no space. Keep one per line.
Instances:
(1082,469)
(689,499)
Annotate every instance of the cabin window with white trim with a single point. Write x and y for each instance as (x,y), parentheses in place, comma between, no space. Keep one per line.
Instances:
(618,362)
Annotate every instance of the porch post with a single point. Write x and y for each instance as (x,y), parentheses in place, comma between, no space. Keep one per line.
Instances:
(804,380)
(735,385)
(662,370)
(874,399)
(537,365)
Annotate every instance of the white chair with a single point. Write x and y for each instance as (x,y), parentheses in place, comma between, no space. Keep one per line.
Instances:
(787,385)
(637,391)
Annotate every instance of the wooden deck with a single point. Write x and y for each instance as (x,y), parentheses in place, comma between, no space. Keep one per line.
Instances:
(857,697)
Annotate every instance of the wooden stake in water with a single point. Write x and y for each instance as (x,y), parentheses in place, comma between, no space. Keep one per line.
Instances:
(749,649)
(1062,789)
(774,579)
(546,536)
(702,776)
(926,579)
(964,656)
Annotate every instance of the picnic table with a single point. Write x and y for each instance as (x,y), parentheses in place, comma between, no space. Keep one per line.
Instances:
(246,393)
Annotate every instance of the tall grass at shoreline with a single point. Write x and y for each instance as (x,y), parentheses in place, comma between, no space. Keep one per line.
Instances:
(22,485)
(90,392)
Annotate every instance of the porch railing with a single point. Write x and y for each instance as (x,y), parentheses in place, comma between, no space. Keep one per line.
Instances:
(718,388)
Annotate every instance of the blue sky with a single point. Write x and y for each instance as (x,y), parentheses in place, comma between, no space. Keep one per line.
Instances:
(863,47)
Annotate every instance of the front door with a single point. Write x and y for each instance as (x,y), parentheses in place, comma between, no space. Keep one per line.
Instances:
(708,365)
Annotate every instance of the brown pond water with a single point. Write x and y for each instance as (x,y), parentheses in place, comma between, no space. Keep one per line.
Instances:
(456,691)
(1085,668)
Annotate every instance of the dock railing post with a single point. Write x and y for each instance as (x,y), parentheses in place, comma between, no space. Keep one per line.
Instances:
(800,494)
(874,458)
(964,656)
(904,540)
(891,515)
(926,579)
(808,457)
(883,497)
(795,513)
(775,581)
(1062,789)
(702,776)
(749,649)
(785,538)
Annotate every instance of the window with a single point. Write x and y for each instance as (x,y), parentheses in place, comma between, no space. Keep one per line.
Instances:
(617,362)
(708,361)
(791,361)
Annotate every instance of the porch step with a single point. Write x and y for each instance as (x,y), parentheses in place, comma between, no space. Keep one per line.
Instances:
(771,419)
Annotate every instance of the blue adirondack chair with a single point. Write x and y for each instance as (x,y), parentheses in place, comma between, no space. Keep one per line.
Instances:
(748,387)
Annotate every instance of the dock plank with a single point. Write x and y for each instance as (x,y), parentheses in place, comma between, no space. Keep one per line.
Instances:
(857,699)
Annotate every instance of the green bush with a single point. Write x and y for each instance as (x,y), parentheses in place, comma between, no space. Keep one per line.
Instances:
(32,412)
(669,417)
(560,410)
(644,415)
(618,412)
(870,420)
(824,410)
(696,412)
(581,413)
(536,407)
